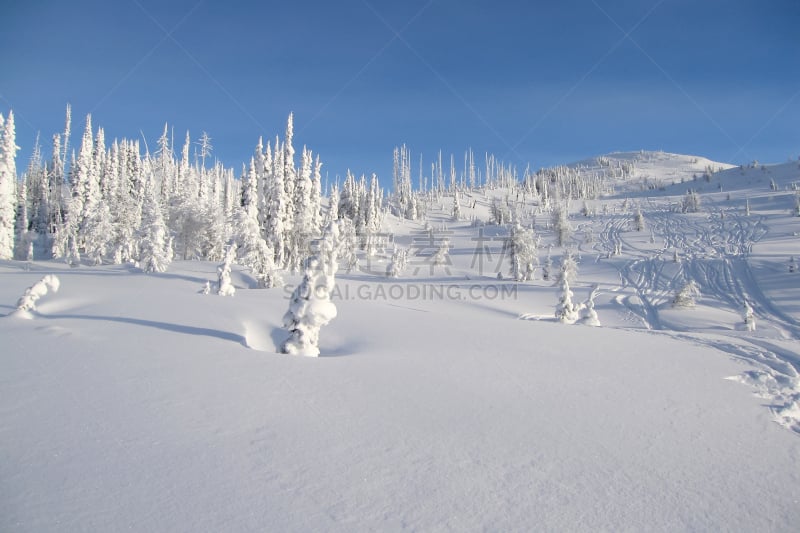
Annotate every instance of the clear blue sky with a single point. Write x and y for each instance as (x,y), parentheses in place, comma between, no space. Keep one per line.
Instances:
(532,82)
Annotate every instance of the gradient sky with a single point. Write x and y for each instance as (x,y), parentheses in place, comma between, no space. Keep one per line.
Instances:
(532,82)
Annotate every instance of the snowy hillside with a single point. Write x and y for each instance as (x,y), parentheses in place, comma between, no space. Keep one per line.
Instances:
(447,397)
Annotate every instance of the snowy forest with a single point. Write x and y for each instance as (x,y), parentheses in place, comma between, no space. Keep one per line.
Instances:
(101,204)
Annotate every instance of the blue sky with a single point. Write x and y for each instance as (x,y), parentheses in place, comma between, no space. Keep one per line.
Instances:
(532,82)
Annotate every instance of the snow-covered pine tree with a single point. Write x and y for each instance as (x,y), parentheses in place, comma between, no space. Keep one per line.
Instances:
(310,307)
(368,224)
(333,205)
(21,225)
(569,267)
(349,198)
(205,148)
(292,253)
(691,202)
(32,294)
(522,253)
(55,191)
(547,269)
(561,225)
(100,232)
(686,295)
(588,314)
(401,174)
(8,180)
(456,215)
(253,250)
(316,197)
(349,244)
(249,201)
(500,214)
(224,284)
(97,231)
(35,180)
(155,247)
(566,311)
(274,195)
(442,255)
(399,262)
(638,220)
(129,193)
(87,185)
(749,317)
(303,218)
(217,225)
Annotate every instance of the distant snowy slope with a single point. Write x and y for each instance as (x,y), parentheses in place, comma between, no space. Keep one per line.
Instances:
(646,170)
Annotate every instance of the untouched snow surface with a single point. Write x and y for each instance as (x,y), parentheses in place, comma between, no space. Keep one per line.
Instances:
(444,399)
(142,408)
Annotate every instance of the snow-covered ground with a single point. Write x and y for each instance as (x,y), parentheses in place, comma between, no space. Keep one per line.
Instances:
(446,398)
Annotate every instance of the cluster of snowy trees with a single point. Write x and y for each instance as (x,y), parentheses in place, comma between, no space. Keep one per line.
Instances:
(8,180)
(568,312)
(566,183)
(111,204)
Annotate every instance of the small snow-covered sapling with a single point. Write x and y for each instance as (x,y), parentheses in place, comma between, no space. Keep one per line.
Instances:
(32,294)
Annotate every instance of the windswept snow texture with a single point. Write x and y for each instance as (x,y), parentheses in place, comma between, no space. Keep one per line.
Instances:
(133,402)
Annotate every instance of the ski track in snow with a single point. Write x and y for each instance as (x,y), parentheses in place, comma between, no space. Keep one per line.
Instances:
(713,251)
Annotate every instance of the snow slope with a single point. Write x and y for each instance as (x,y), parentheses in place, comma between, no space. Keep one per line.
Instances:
(445,399)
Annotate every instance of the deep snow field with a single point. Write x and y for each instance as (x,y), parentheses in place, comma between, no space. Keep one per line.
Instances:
(444,400)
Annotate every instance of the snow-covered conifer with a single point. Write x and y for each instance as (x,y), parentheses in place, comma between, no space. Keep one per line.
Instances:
(398,264)
(333,205)
(566,311)
(442,255)
(310,307)
(32,294)
(402,184)
(522,253)
(349,244)
(691,202)
(349,198)
(749,317)
(253,251)
(547,268)
(686,295)
(588,314)
(250,189)
(569,266)
(500,213)
(99,233)
(21,225)
(155,247)
(224,284)
(561,225)
(8,180)
(638,220)
(456,207)
(316,196)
